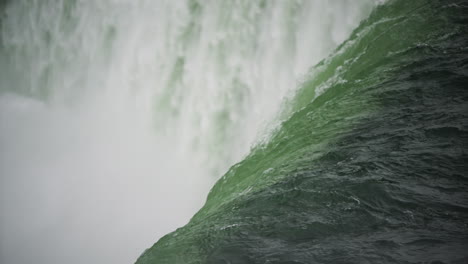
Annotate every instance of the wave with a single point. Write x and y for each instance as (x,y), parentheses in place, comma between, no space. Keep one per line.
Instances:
(369,164)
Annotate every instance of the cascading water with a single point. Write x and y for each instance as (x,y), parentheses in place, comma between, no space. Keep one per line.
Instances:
(116,117)
(369,164)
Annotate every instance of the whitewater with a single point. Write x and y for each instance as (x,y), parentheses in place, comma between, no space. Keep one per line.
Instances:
(117,117)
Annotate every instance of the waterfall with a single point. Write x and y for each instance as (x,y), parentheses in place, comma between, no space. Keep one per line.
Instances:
(116,117)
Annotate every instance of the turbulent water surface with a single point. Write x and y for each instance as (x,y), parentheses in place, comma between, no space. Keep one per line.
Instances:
(369,165)
(347,122)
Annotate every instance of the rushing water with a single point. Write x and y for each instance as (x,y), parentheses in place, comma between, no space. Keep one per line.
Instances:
(117,117)
(369,164)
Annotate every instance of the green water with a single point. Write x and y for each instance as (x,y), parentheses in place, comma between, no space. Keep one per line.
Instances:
(369,165)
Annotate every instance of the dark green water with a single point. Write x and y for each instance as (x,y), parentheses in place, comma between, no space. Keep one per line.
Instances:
(369,165)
